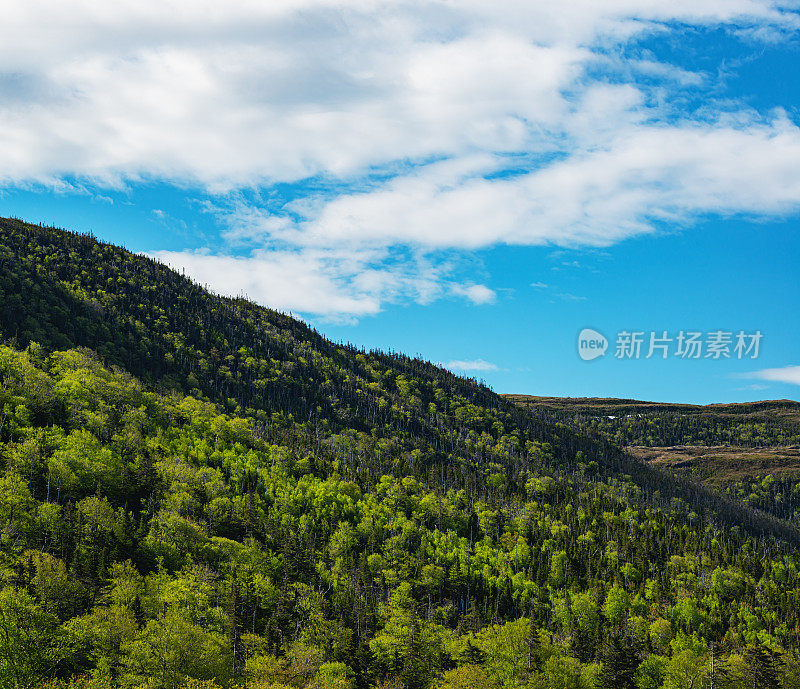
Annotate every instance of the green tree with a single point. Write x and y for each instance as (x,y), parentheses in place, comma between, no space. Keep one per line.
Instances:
(650,673)
(559,672)
(406,646)
(172,649)
(467,677)
(31,645)
(620,661)
(763,667)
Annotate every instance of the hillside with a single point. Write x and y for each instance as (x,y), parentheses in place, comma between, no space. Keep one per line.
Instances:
(749,451)
(201,488)
(635,422)
(63,290)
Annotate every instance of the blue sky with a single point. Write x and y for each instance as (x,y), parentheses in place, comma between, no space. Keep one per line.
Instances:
(473,182)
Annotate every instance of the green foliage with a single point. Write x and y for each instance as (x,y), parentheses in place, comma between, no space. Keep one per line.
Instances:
(270,509)
(620,663)
(172,648)
(31,644)
(225,555)
(467,677)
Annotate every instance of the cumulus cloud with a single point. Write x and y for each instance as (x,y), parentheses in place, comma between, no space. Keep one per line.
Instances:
(419,127)
(297,282)
(243,92)
(646,175)
(477,294)
(337,285)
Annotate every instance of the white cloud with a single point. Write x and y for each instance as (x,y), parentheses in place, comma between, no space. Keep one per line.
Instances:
(337,284)
(787,374)
(428,126)
(563,296)
(477,294)
(245,92)
(289,281)
(471,365)
(647,174)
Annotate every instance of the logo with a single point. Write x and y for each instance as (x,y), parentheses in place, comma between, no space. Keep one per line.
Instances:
(591,344)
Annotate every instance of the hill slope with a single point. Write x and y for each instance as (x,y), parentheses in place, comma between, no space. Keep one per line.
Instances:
(268,507)
(635,422)
(748,451)
(63,289)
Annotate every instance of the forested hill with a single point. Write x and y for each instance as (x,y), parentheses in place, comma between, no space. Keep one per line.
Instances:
(750,450)
(201,492)
(636,422)
(401,415)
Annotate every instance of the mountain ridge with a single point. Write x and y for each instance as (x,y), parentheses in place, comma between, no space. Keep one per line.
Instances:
(626,402)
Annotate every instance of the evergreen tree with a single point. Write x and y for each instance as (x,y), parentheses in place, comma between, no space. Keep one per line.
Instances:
(620,661)
(763,667)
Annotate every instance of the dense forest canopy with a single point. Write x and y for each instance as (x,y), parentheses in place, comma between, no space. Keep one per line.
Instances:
(751,451)
(200,492)
(634,422)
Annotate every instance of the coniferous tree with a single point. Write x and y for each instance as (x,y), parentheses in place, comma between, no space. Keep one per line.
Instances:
(620,660)
(763,667)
